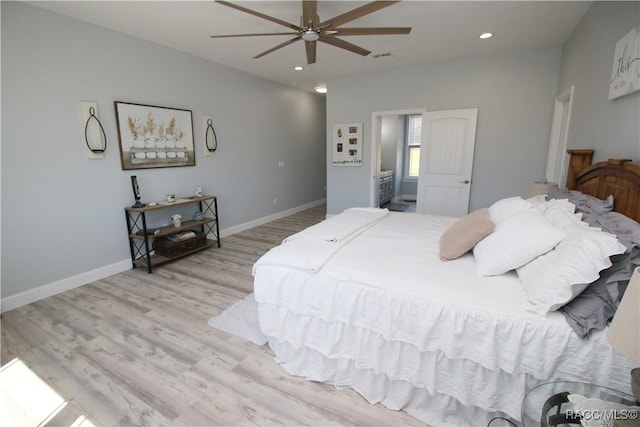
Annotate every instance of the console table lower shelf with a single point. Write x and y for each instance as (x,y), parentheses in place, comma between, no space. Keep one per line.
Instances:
(156,259)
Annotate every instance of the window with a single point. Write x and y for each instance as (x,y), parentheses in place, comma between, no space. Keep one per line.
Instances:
(414,131)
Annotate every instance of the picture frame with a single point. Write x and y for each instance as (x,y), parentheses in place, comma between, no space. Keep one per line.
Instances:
(154,137)
(347,144)
(625,73)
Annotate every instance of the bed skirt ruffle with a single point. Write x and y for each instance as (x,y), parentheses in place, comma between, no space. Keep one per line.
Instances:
(417,360)
(434,409)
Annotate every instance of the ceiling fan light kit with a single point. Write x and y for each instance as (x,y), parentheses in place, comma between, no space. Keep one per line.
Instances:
(310,36)
(312,30)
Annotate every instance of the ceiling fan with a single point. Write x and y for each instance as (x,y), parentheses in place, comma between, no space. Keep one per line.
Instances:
(312,30)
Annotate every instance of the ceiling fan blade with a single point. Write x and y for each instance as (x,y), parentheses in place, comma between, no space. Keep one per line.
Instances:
(372,31)
(281,45)
(357,13)
(254,34)
(334,41)
(259,15)
(310,47)
(309,13)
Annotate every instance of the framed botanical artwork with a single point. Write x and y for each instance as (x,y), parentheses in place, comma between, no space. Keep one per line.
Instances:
(347,144)
(154,137)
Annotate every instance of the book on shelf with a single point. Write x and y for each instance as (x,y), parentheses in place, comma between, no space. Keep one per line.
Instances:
(150,232)
(183,235)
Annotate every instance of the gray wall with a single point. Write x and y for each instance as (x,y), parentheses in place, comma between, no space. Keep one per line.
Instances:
(610,127)
(62,214)
(513,93)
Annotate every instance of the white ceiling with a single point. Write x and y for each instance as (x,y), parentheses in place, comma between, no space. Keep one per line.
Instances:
(441,30)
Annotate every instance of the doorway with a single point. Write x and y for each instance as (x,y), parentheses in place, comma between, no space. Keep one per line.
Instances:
(389,182)
(443,184)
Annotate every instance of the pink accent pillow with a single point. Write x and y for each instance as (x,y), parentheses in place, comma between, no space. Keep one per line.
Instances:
(462,236)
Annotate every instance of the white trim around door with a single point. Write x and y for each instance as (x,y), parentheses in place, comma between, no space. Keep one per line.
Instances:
(557,159)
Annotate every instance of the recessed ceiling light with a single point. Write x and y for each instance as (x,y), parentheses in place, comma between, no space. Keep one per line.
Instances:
(298,68)
(486,35)
(321,89)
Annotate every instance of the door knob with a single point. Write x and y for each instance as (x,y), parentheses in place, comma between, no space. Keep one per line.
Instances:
(466,181)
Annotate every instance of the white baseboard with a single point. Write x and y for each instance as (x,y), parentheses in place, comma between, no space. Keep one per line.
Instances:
(260,221)
(44,291)
(62,285)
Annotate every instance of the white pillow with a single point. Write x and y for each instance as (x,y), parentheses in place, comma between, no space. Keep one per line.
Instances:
(540,201)
(555,278)
(561,214)
(506,208)
(515,242)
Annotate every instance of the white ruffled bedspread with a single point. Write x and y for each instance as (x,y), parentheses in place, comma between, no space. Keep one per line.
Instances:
(403,328)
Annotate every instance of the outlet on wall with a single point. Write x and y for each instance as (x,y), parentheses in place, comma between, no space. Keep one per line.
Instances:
(275,201)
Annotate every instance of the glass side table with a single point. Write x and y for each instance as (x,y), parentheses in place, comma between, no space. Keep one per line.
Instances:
(547,404)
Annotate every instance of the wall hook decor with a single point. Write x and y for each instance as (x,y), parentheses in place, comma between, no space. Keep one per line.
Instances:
(95,138)
(103,147)
(210,137)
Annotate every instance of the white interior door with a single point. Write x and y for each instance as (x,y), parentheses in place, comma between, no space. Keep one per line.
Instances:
(446,162)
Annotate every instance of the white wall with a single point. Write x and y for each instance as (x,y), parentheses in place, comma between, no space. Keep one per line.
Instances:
(62,215)
(514,94)
(611,127)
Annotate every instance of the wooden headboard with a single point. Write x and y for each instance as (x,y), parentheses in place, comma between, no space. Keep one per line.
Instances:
(618,177)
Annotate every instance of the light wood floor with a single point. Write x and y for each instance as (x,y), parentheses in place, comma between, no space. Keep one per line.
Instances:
(135,349)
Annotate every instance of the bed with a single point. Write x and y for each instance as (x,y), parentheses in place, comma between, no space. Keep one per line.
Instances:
(365,301)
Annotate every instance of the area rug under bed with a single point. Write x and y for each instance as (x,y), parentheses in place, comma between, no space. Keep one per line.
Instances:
(241,320)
